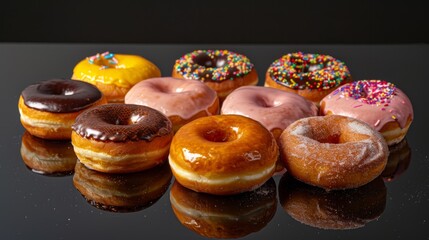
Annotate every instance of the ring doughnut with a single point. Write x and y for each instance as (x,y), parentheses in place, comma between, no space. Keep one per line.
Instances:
(379,103)
(312,76)
(224,216)
(339,210)
(121,138)
(223,154)
(47,157)
(48,109)
(181,100)
(221,70)
(115,74)
(122,192)
(333,152)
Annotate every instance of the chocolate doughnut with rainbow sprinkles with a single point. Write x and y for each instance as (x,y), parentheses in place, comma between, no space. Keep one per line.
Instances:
(312,76)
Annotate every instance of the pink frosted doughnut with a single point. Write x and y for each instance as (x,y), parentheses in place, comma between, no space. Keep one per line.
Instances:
(379,103)
(273,108)
(181,100)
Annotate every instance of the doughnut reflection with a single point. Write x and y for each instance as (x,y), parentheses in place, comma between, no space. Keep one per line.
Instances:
(47,157)
(230,216)
(341,209)
(398,162)
(122,192)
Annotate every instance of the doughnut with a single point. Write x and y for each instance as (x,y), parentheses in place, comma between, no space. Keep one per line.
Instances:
(121,138)
(52,158)
(273,108)
(336,210)
(379,103)
(181,100)
(312,76)
(333,152)
(122,192)
(48,109)
(114,74)
(224,217)
(223,154)
(398,161)
(221,70)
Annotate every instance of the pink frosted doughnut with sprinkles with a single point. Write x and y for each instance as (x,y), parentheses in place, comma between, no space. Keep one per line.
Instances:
(312,76)
(221,70)
(379,103)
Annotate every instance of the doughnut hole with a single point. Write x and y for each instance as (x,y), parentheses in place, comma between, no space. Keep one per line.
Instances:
(205,60)
(221,135)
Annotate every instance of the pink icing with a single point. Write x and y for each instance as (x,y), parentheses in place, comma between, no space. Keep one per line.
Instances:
(172,96)
(273,108)
(371,107)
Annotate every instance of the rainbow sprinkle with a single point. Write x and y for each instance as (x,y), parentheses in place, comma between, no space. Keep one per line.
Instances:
(377,92)
(235,65)
(105,60)
(313,71)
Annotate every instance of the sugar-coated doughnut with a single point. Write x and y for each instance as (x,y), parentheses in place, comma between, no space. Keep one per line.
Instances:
(122,192)
(224,216)
(221,70)
(115,74)
(47,157)
(121,138)
(379,103)
(181,100)
(48,109)
(223,154)
(333,152)
(339,210)
(312,76)
(398,162)
(273,108)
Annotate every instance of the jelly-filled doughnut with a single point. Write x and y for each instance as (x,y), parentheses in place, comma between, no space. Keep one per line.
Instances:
(333,152)
(379,103)
(48,109)
(115,74)
(121,138)
(122,192)
(224,216)
(312,76)
(221,70)
(339,210)
(181,100)
(48,157)
(223,154)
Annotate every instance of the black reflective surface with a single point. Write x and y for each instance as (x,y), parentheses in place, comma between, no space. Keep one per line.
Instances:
(35,206)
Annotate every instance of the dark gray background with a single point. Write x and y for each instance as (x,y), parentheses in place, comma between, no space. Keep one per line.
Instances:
(33,206)
(216,21)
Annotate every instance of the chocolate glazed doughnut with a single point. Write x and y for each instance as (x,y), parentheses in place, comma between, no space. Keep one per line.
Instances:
(344,209)
(48,109)
(121,138)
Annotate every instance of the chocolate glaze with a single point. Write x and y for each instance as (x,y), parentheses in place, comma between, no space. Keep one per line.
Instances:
(122,122)
(60,96)
(204,60)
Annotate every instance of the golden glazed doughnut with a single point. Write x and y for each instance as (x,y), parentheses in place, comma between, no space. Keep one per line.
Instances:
(48,109)
(378,103)
(121,138)
(312,76)
(224,216)
(47,157)
(333,152)
(122,192)
(339,210)
(181,100)
(221,70)
(115,74)
(223,154)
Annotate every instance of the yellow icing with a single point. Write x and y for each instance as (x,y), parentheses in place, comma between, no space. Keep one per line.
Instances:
(130,70)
